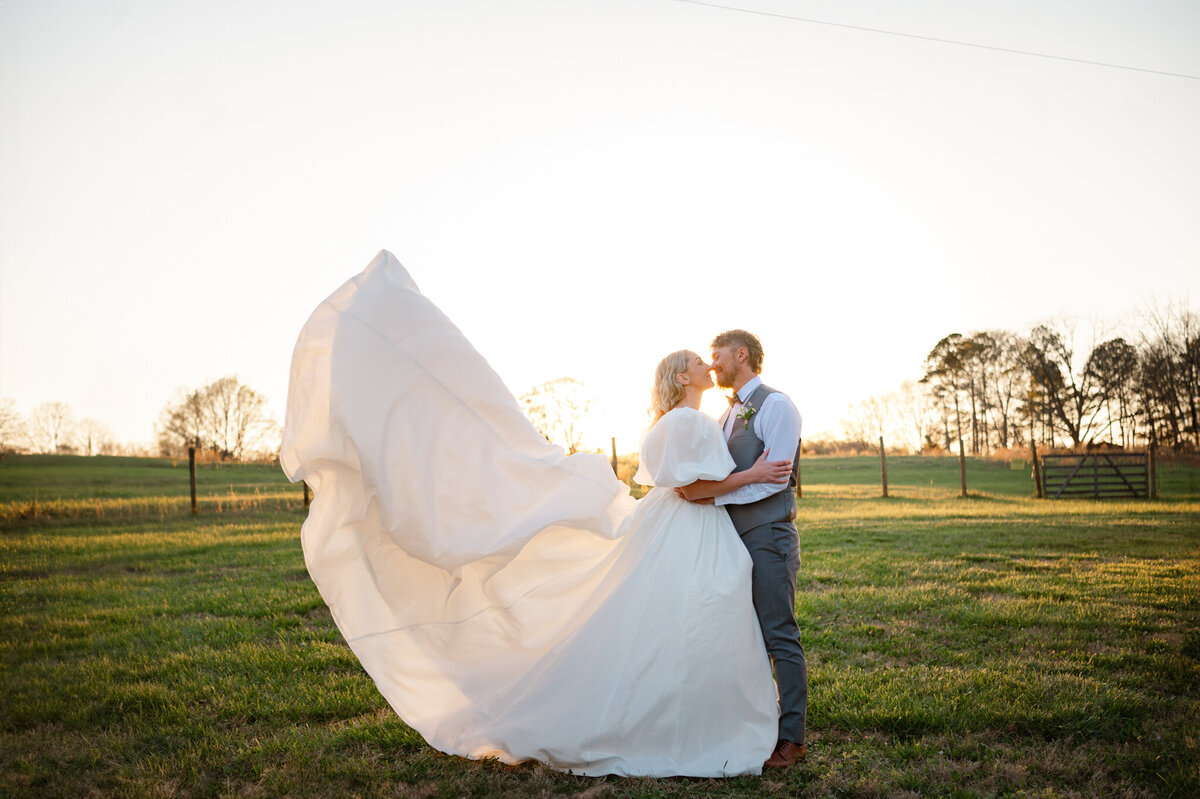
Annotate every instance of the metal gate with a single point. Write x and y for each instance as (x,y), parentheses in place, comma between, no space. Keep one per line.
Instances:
(1096,474)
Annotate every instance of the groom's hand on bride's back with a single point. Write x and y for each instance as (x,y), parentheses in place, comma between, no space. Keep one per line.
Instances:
(766,471)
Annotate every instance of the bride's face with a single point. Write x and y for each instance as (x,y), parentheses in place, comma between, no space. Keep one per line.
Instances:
(698,373)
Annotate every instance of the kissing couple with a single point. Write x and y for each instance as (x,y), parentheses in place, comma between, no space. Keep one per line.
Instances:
(513,602)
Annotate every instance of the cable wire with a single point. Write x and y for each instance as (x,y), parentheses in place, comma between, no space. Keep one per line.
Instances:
(940,41)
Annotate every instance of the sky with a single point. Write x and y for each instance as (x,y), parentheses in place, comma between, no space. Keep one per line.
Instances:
(583,187)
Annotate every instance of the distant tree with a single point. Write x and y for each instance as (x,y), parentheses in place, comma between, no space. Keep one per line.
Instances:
(978,352)
(1005,383)
(12,426)
(50,428)
(856,428)
(1113,368)
(1191,360)
(870,420)
(914,415)
(1045,389)
(1158,393)
(557,408)
(941,427)
(905,419)
(94,438)
(946,374)
(1169,382)
(1071,395)
(237,416)
(181,423)
(226,417)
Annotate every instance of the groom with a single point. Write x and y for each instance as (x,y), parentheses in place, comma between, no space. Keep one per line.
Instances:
(761,418)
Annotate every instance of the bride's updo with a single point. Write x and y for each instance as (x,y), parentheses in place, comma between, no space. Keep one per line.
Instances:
(667,391)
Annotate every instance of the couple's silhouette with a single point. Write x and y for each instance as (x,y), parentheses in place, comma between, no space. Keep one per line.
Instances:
(511,601)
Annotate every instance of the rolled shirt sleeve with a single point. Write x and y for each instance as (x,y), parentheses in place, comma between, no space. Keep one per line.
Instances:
(778,424)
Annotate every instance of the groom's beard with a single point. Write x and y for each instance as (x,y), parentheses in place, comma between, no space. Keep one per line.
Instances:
(723,380)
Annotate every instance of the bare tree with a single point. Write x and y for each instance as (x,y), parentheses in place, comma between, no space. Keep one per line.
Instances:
(94,438)
(878,414)
(914,415)
(1072,396)
(225,416)
(181,423)
(941,427)
(904,419)
(856,427)
(1191,360)
(50,428)
(1170,374)
(237,416)
(556,409)
(12,426)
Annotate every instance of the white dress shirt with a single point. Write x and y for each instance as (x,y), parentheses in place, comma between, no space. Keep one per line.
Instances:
(778,424)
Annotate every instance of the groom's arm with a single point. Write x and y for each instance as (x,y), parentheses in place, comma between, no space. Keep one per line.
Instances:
(774,472)
(778,424)
(703,491)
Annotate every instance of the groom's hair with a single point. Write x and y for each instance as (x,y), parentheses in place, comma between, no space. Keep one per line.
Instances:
(740,338)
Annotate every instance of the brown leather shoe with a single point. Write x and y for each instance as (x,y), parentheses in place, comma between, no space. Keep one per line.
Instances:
(786,754)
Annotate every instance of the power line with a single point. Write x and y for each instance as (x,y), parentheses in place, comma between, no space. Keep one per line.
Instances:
(939,41)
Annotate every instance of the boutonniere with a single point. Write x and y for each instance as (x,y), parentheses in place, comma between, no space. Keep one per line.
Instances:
(745,413)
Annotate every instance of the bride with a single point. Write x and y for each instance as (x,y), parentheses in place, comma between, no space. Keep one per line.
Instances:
(508,600)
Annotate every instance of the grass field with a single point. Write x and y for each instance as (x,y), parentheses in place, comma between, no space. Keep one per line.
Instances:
(990,646)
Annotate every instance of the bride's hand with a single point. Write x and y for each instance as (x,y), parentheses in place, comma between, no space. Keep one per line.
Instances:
(681,492)
(765,471)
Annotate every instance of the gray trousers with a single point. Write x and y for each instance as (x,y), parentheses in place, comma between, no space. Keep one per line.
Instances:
(775,550)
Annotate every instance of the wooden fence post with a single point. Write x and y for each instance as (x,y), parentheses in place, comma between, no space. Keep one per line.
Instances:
(962,466)
(192,477)
(614,457)
(1152,478)
(883,466)
(799,449)
(307,494)
(1037,472)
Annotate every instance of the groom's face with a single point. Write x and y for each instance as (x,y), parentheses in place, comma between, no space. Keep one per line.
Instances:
(724,366)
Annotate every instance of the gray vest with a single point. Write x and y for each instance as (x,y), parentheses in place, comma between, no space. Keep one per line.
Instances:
(745,446)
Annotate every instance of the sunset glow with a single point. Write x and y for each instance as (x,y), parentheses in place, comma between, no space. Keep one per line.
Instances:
(583,188)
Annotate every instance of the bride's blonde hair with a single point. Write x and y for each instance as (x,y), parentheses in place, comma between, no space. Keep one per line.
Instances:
(667,391)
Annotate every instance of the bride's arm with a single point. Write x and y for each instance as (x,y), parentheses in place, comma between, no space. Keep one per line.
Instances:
(763,471)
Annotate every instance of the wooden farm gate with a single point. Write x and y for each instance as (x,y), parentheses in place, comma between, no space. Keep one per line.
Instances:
(1096,474)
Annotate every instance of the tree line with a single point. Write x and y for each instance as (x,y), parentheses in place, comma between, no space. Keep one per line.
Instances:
(996,390)
(53,427)
(224,419)
(990,390)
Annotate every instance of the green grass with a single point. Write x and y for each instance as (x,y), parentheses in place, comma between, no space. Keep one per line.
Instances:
(42,489)
(990,646)
(49,477)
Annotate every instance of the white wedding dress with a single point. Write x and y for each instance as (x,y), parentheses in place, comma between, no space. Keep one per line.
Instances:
(508,600)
